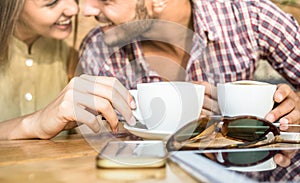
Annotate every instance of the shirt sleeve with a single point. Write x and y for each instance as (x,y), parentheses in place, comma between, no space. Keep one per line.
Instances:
(279,41)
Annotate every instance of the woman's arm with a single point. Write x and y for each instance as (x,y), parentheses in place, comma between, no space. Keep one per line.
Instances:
(78,102)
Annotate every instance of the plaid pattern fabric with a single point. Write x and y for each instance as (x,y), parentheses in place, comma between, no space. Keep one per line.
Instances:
(230,37)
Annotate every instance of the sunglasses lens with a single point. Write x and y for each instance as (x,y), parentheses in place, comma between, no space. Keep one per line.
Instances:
(245,158)
(247,129)
(191,130)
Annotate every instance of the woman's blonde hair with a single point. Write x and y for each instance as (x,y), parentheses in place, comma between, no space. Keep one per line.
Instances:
(9,12)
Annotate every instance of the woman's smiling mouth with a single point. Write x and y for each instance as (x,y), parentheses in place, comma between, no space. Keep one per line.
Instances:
(65,24)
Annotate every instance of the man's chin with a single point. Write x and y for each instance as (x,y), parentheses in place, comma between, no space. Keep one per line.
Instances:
(118,38)
(126,33)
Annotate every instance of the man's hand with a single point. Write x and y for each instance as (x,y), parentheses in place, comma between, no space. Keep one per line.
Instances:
(283,158)
(288,109)
(210,103)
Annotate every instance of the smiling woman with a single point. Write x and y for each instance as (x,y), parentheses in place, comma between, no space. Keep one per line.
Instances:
(34,57)
(48,18)
(37,50)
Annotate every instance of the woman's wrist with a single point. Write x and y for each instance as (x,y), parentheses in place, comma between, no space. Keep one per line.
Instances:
(29,124)
(25,127)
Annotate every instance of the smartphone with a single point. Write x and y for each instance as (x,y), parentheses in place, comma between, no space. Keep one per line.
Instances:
(132,154)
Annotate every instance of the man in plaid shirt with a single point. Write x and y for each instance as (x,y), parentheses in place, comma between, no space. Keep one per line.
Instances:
(202,41)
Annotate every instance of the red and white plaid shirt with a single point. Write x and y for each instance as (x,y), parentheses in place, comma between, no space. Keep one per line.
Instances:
(230,38)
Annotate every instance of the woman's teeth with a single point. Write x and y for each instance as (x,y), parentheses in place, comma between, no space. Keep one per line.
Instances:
(66,22)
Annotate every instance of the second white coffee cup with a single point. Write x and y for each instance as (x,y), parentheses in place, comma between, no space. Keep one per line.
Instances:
(167,106)
(246,98)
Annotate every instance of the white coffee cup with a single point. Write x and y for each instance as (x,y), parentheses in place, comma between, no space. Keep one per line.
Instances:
(167,106)
(246,98)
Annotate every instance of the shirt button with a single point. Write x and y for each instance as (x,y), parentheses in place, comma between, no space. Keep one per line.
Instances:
(29,62)
(28,96)
(211,36)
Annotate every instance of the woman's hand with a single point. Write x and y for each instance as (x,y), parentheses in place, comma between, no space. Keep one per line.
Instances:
(81,100)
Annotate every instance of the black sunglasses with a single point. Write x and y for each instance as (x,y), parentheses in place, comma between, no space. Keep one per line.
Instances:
(246,131)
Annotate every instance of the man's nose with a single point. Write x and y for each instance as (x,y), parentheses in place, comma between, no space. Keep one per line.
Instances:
(91,8)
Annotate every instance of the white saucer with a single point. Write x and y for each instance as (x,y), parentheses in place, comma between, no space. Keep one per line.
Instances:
(148,134)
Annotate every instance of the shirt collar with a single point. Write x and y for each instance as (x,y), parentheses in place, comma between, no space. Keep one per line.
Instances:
(23,48)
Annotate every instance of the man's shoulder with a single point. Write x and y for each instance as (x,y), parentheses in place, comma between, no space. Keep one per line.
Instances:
(93,35)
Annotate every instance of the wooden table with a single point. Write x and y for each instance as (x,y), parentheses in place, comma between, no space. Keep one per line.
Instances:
(72,159)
